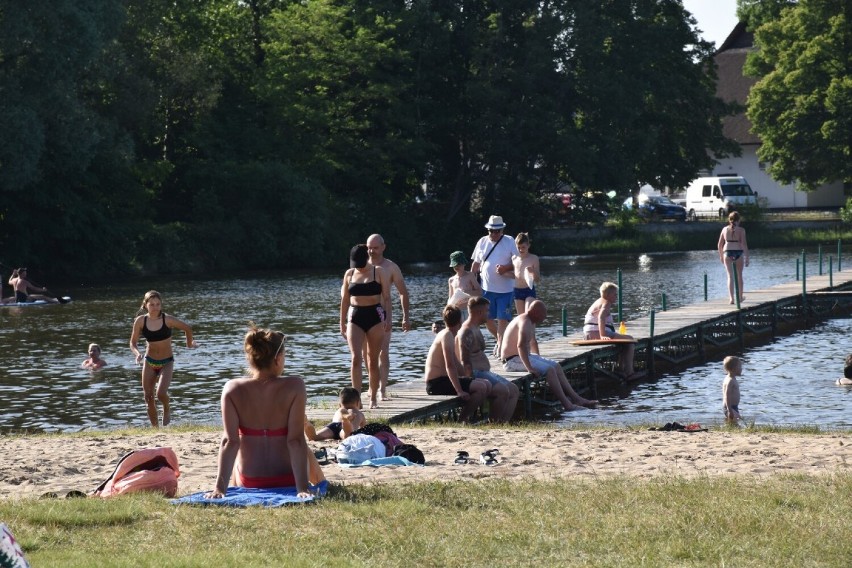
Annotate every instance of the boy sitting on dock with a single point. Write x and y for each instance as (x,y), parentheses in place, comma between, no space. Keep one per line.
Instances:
(444,371)
(846,380)
(346,420)
(598,324)
(731,388)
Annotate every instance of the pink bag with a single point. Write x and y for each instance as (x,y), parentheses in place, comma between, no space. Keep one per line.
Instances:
(150,469)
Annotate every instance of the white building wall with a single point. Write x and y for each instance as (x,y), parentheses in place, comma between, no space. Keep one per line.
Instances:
(779,196)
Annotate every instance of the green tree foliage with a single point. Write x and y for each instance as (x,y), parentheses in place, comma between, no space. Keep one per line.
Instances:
(177,134)
(755,13)
(68,201)
(645,81)
(802,106)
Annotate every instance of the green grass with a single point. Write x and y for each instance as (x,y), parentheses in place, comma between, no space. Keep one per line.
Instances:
(736,521)
(627,240)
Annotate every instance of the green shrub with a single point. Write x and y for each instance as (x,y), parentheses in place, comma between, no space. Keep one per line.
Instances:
(846,211)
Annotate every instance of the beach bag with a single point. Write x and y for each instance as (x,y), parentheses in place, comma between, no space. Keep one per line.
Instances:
(149,469)
(11,555)
(410,452)
(359,448)
(390,441)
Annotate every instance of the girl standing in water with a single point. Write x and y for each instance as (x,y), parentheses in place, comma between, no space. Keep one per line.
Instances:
(156,327)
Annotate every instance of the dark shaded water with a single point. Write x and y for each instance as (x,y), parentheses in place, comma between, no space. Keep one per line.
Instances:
(43,388)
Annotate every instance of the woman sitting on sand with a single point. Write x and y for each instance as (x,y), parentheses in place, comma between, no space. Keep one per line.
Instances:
(263,418)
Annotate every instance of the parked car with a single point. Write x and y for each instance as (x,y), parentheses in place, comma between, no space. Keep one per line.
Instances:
(657,208)
(718,196)
(570,208)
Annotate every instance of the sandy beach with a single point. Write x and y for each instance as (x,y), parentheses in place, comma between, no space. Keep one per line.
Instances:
(34,465)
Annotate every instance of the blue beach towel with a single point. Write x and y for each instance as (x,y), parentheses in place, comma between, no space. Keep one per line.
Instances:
(248,497)
(379,462)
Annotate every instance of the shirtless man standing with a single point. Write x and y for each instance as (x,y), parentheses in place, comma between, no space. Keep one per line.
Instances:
(470,345)
(516,356)
(443,369)
(376,249)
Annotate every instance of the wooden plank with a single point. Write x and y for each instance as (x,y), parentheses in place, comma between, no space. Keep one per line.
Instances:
(410,401)
(601,341)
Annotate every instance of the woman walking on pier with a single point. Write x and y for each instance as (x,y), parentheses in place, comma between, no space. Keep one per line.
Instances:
(733,253)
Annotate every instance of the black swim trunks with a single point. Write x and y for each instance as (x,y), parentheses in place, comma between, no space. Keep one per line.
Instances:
(443,386)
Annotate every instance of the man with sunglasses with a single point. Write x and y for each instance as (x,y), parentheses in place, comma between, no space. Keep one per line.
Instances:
(492,260)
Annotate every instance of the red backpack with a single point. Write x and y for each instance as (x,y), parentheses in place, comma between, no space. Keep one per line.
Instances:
(150,469)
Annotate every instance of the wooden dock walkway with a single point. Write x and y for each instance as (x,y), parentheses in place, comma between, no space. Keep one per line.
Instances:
(680,337)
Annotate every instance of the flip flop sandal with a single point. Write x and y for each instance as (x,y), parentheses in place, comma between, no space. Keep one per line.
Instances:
(462,458)
(75,494)
(322,456)
(487,457)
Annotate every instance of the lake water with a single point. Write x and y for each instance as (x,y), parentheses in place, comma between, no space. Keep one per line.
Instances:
(42,387)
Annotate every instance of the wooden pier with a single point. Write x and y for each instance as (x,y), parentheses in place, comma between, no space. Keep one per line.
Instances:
(681,337)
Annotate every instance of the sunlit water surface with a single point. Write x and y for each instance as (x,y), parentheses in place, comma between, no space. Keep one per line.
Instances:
(43,388)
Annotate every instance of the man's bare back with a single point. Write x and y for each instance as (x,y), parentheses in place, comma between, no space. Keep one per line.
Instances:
(472,340)
(436,361)
(519,332)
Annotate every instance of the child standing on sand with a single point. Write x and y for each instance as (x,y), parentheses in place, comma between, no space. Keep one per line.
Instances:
(94,362)
(346,420)
(731,388)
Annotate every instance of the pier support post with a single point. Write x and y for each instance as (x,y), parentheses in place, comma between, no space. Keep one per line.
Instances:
(705,286)
(590,373)
(664,301)
(838,256)
(564,321)
(740,329)
(736,283)
(649,356)
(830,273)
(804,287)
(819,253)
(798,261)
(620,313)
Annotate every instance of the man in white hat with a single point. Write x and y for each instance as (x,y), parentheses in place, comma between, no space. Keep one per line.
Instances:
(492,259)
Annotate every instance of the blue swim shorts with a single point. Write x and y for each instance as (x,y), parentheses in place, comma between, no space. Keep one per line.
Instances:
(501,305)
(492,378)
(524,293)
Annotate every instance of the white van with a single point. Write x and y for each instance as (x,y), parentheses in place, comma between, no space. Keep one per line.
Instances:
(717,196)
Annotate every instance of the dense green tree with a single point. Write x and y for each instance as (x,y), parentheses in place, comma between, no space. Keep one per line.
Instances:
(802,106)
(647,110)
(68,201)
(177,134)
(755,13)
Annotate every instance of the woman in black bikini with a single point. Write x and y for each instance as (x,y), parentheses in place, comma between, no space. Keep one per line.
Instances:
(733,253)
(365,313)
(156,328)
